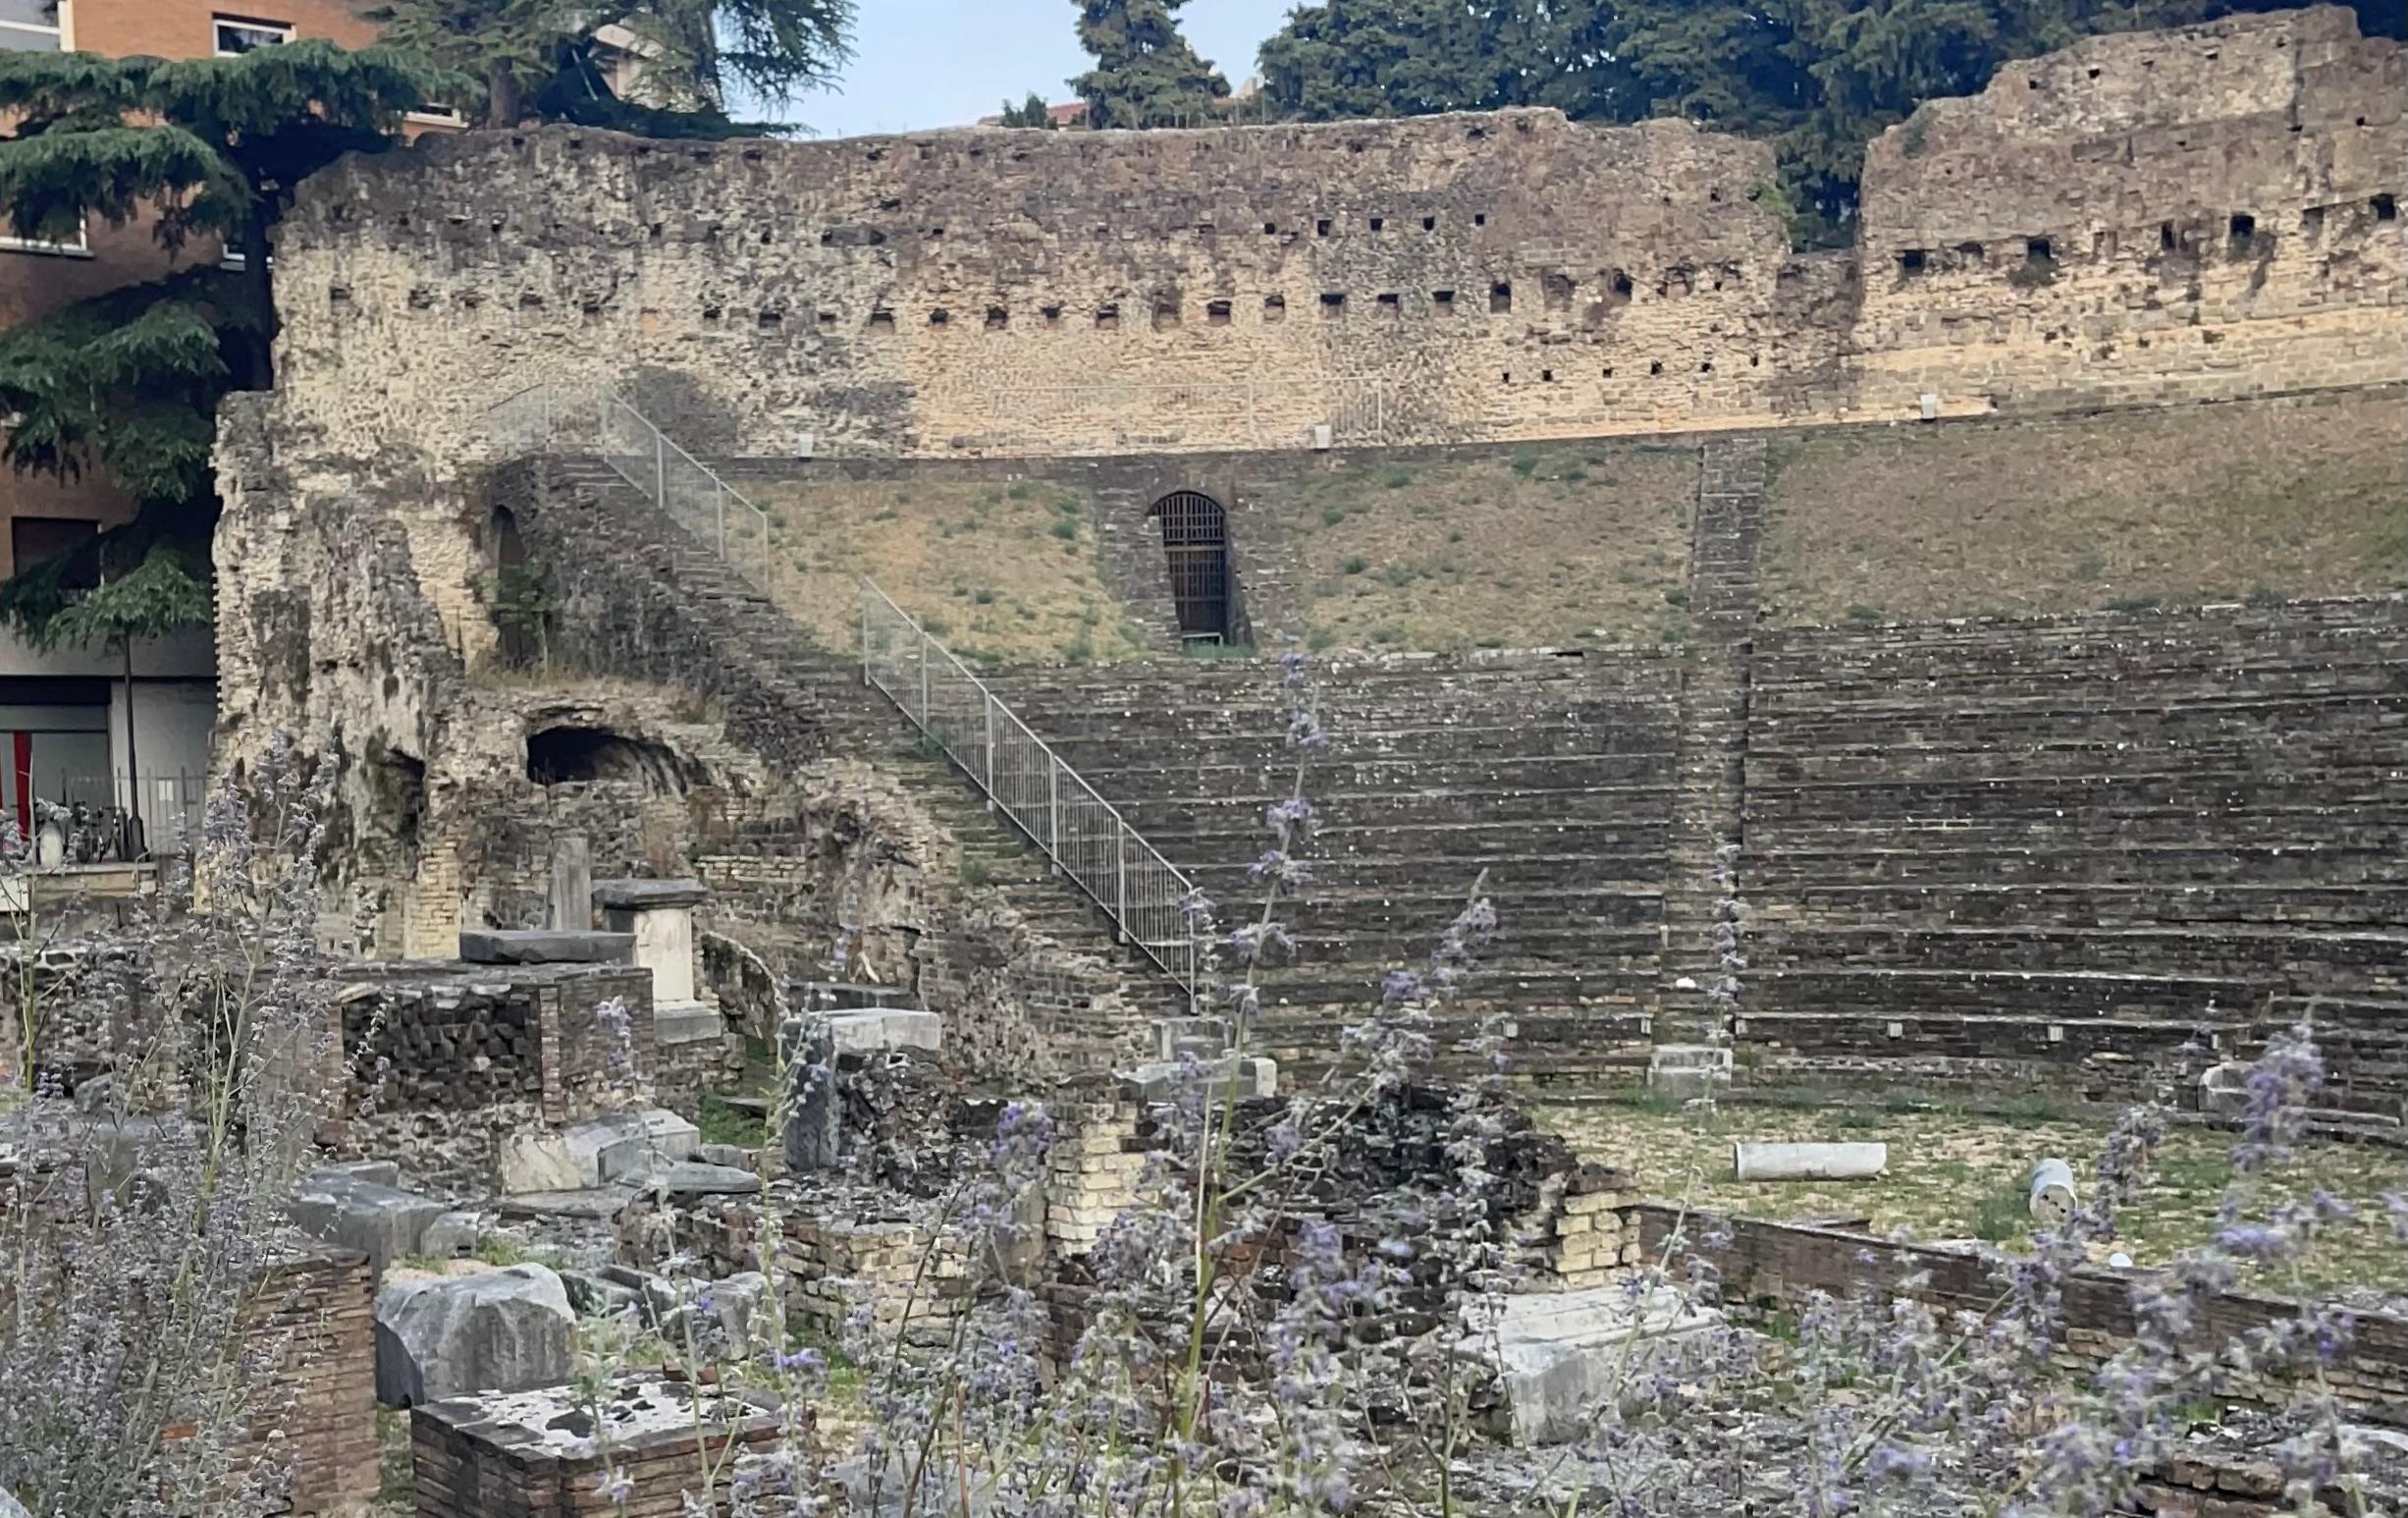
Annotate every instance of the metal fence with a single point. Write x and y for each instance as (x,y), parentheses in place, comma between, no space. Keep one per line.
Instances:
(1079,830)
(686,491)
(79,817)
(1145,896)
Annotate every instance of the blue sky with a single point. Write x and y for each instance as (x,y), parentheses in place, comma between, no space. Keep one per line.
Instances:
(946,62)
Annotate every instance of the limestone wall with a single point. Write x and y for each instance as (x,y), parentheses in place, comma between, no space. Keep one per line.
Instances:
(2194,214)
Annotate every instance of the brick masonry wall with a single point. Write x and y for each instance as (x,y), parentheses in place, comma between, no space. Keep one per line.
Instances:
(1450,278)
(1781,1266)
(313,1312)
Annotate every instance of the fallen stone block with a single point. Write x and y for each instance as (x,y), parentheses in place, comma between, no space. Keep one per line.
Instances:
(1558,1354)
(545,946)
(453,1236)
(694,1177)
(879,1029)
(496,1330)
(1242,1079)
(593,1296)
(1688,1069)
(380,1222)
(684,1022)
(597,1152)
(632,895)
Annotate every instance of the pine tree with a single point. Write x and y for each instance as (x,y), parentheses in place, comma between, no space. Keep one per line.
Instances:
(1145,74)
(1349,58)
(543,57)
(210,149)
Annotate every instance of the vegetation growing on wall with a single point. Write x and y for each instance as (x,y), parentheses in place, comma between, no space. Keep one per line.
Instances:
(1145,75)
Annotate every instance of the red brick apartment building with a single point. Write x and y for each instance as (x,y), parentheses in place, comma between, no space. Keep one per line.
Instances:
(62,714)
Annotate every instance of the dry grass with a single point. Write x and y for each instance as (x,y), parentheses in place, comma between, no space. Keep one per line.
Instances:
(1002,573)
(2190,505)
(1545,545)
(1956,1175)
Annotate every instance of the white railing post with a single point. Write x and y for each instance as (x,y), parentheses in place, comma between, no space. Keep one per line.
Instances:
(719,503)
(1053,805)
(1120,875)
(660,468)
(925,641)
(989,705)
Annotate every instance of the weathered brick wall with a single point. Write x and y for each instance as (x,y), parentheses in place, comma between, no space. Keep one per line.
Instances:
(1764,1265)
(313,1313)
(1451,278)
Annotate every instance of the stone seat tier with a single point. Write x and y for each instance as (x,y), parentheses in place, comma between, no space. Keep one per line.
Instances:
(1384,809)
(2170,864)
(1339,771)
(2081,904)
(1521,741)
(1773,800)
(2043,757)
(2342,958)
(1977,1049)
(1473,837)
(2062,994)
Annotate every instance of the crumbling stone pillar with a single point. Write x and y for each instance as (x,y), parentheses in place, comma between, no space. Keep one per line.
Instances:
(572,903)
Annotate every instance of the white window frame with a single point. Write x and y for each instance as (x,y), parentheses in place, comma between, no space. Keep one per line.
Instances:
(281,29)
(81,247)
(59,33)
(437,115)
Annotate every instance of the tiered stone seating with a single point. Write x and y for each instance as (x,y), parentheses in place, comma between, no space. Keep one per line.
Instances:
(1981,845)
(1552,773)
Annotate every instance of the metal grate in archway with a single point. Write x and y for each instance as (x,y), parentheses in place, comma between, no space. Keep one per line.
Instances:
(1195,543)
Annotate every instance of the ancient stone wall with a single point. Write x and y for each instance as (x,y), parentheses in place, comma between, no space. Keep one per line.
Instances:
(2208,213)
(452,1060)
(2136,219)
(1763,1266)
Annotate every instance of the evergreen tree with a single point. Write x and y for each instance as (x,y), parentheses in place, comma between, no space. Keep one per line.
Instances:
(210,149)
(1350,58)
(546,58)
(1031,112)
(1817,78)
(1145,74)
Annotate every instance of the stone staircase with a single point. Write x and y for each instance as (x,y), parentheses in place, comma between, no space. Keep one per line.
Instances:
(1709,799)
(699,620)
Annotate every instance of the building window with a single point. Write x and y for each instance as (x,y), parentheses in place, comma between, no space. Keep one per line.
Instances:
(77,246)
(37,540)
(236,35)
(30,25)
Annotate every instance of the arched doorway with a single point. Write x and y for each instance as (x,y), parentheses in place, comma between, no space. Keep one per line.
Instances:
(1195,543)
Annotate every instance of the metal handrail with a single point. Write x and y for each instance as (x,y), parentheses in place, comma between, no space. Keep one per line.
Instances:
(682,485)
(1146,896)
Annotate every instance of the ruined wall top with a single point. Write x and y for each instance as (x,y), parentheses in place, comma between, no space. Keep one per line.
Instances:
(2058,243)
(2256,114)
